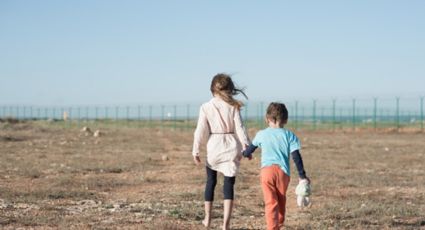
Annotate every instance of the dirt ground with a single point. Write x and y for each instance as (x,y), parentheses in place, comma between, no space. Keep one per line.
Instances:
(58,177)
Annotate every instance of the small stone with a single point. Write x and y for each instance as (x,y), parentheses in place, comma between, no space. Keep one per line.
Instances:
(97,133)
(86,129)
(165,158)
(4,204)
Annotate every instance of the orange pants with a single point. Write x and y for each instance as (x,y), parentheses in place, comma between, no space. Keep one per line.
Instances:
(274,183)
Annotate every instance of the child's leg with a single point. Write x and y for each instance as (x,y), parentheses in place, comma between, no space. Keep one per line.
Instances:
(228,187)
(268,184)
(228,191)
(209,194)
(282,186)
(211,183)
(208,208)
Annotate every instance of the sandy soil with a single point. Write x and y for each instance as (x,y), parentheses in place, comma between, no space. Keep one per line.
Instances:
(58,177)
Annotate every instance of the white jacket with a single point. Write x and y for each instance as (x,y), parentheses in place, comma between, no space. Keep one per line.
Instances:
(220,126)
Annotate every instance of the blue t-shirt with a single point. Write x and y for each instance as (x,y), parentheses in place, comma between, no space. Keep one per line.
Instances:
(276,145)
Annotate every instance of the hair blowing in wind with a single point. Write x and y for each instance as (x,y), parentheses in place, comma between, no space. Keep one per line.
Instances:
(223,86)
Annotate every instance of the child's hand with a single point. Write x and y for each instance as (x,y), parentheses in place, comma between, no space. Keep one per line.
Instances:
(307,179)
(197,160)
(245,155)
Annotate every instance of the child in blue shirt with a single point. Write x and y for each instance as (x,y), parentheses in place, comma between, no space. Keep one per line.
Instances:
(276,144)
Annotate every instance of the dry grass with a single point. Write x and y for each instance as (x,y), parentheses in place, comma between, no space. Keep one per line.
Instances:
(56,177)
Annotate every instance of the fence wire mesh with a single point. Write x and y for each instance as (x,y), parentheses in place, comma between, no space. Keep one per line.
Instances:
(334,114)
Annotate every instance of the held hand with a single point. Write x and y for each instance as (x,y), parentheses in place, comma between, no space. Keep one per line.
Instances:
(197,160)
(244,148)
(243,154)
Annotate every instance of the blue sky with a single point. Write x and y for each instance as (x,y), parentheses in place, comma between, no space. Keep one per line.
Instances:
(121,52)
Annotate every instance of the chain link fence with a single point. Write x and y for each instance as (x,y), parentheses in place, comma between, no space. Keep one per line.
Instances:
(401,114)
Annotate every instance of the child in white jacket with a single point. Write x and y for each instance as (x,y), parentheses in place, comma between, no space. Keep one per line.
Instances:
(220,125)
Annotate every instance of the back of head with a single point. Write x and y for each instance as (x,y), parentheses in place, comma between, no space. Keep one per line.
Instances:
(277,112)
(223,86)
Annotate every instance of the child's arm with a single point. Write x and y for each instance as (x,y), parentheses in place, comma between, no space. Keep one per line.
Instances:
(296,156)
(201,133)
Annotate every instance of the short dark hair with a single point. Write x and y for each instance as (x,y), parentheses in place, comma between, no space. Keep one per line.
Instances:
(277,112)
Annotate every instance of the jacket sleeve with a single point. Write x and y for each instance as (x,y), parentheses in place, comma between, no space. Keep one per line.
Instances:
(298,160)
(202,132)
(240,129)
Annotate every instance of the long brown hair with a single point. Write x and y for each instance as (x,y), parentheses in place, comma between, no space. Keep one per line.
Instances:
(223,86)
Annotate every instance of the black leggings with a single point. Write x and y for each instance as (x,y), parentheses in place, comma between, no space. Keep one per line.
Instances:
(229,182)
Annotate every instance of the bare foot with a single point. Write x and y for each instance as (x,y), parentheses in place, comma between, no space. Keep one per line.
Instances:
(206,223)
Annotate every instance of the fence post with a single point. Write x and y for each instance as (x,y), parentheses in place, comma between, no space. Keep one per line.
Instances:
(24,111)
(150,115)
(117,110)
(54,113)
(246,116)
(106,114)
(187,116)
(261,115)
(87,114)
(96,113)
(139,114)
(422,114)
(70,116)
(78,115)
(354,115)
(61,112)
(397,115)
(127,114)
(296,115)
(258,116)
(175,116)
(162,116)
(333,114)
(314,114)
(375,108)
